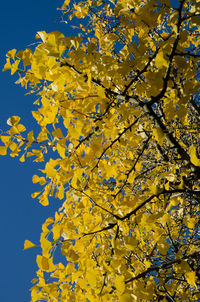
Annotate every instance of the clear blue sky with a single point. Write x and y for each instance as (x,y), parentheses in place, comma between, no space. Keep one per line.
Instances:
(21,216)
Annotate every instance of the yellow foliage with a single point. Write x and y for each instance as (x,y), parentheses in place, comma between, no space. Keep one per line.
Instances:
(117,148)
(28,244)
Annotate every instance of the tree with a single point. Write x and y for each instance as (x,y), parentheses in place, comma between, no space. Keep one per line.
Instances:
(119,146)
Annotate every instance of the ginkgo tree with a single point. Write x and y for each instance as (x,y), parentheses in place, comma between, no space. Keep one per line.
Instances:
(118,110)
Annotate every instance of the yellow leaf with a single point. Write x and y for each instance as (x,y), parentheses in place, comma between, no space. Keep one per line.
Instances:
(160,60)
(45,264)
(34,195)
(13,130)
(29,154)
(159,135)
(61,150)
(147,263)
(101,92)
(70,268)
(82,283)
(65,4)
(30,136)
(14,66)
(42,35)
(107,267)
(21,128)
(13,120)
(35,179)
(193,157)
(65,247)
(155,188)
(119,284)
(45,245)
(44,200)
(164,219)
(42,181)
(36,115)
(56,231)
(28,244)
(91,277)
(72,255)
(5,139)
(27,56)
(3,150)
(42,136)
(22,158)
(61,192)
(7,65)
(126,298)
(38,154)
(11,53)
(191,223)
(131,243)
(48,221)
(34,280)
(190,277)
(138,167)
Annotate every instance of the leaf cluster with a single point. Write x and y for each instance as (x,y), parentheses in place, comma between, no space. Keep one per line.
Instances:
(119,117)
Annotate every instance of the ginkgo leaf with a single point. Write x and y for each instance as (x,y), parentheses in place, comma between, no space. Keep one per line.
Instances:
(5,139)
(3,150)
(155,188)
(35,179)
(44,199)
(45,264)
(22,158)
(34,195)
(190,277)
(72,255)
(126,298)
(191,223)
(61,192)
(66,2)
(21,128)
(46,245)
(28,244)
(11,53)
(13,120)
(42,35)
(8,65)
(91,277)
(160,61)
(14,66)
(57,229)
(131,242)
(159,135)
(61,150)
(119,284)
(193,157)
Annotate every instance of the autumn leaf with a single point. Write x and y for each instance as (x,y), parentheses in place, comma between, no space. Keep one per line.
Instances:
(3,150)
(28,244)
(160,61)
(190,277)
(193,156)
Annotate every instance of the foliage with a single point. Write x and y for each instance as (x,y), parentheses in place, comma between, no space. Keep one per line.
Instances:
(119,117)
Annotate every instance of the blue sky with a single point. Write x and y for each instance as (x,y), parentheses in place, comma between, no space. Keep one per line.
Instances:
(21,216)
